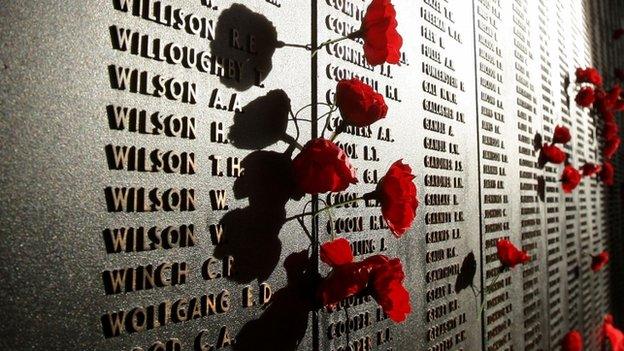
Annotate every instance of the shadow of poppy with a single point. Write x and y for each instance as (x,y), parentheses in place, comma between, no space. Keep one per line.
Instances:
(566,86)
(541,160)
(251,234)
(541,188)
(284,322)
(538,140)
(467,272)
(262,122)
(246,41)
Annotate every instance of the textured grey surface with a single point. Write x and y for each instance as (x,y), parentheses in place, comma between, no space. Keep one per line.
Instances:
(54,89)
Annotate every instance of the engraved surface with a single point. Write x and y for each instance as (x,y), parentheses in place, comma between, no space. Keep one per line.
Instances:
(145,146)
(70,71)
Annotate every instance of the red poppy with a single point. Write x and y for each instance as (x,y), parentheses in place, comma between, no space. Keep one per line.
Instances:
(588,75)
(359,104)
(619,106)
(382,275)
(509,255)
(387,282)
(343,281)
(615,92)
(585,97)
(599,261)
(607,174)
(336,252)
(611,97)
(382,42)
(552,154)
(572,341)
(321,167)
(615,336)
(611,147)
(589,169)
(610,130)
(607,113)
(570,178)
(618,33)
(397,193)
(561,135)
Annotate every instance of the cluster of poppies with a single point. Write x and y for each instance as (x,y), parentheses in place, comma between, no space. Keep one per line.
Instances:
(570,177)
(605,104)
(377,275)
(573,340)
(322,166)
(510,256)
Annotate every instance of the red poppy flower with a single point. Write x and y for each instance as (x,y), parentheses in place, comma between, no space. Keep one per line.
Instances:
(611,97)
(589,169)
(382,42)
(397,193)
(570,178)
(611,147)
(359,104)
(618,33)
(321,167)
(588,75)
(619,74)
(607,173)
(619,106)
(615,92)
(388,290)
(615,336)
(343,281)
(610,130)
(572,341)
(552,154)
(585,97)
(599,261)
(509,255)
(561,135)
(336,252)
(382,275)
(607,113)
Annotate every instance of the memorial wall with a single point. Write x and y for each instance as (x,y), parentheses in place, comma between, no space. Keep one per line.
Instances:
(155,159)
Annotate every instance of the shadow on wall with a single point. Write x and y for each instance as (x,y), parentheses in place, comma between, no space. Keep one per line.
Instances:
(284,321)
(245,42)
(467,272)
(262,122)
(250,235)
